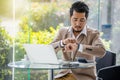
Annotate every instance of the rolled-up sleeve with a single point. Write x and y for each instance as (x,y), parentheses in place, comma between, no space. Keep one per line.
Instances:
(96,48)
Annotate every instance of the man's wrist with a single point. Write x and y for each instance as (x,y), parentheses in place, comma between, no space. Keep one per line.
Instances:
(62,44)
(80,47)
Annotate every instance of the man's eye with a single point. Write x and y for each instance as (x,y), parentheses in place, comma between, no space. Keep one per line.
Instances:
(82,20)
(75,19)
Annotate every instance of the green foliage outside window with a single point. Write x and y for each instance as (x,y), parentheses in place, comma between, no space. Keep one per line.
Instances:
(4,52)
(43,15)
(106,43)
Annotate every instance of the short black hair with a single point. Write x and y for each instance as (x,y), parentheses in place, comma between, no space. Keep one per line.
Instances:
(80,7)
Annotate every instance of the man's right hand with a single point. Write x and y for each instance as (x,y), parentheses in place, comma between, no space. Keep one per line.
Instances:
(71,47)
(68,40)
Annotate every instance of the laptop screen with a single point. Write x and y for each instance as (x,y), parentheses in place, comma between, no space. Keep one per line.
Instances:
(39,53)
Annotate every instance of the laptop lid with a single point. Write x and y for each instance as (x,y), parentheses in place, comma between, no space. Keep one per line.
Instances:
(39,53)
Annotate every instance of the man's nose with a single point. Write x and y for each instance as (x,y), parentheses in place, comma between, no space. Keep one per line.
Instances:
(78,23)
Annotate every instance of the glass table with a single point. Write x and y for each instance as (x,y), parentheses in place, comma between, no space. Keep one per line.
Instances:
(67,65)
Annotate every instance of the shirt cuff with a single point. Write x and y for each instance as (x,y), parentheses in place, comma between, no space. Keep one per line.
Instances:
(61,44)
(80,48)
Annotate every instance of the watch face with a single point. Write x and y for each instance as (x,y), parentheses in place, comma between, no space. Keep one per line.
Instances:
(82,60)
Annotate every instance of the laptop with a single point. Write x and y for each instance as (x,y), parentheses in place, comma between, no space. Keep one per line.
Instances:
(40,53)
(45,54)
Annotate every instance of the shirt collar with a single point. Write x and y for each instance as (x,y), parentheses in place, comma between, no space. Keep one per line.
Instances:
(84,31)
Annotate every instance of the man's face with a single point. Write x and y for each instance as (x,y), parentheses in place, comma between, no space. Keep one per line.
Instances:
(78,21)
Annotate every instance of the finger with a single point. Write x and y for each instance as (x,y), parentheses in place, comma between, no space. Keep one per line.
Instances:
(69,47)
(64,50)
(73,41)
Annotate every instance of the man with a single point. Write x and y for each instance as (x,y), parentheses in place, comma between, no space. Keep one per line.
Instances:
(78,41)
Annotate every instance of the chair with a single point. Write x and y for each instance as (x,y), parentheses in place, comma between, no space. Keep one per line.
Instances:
(108,60)
(109,73)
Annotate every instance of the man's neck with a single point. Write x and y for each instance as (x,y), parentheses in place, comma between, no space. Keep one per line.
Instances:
(76,33)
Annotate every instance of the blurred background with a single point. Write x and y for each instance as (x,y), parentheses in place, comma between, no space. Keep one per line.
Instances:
(37,21)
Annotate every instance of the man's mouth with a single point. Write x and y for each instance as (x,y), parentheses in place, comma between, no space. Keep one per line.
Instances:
(77,26)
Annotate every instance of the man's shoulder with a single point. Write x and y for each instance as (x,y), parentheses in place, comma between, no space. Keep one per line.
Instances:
(92,31)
